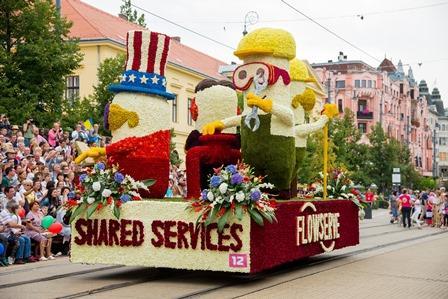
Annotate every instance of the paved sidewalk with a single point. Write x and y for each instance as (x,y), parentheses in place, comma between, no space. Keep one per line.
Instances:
(420,271)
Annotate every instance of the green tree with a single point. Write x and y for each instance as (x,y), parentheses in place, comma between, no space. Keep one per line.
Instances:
(107,73)
(349,152)
(36,55)
(131,14)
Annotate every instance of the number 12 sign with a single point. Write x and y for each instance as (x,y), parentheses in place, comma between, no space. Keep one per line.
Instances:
(237,260)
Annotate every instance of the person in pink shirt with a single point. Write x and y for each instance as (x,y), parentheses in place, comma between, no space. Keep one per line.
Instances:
(406,205)
(55,134)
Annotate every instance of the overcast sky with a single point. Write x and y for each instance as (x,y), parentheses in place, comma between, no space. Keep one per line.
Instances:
(412,34)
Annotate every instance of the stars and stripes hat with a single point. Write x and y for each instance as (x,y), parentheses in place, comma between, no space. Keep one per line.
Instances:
(146,59)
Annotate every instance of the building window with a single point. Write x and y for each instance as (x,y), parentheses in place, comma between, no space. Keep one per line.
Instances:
(174,110)
(374,84)
(72,88)
(369,84)
(362,105)
(442,156)
(363,83)
(362,127)
(340,83)
(401,116)
(340,108)
(357,83)
(189,118)
(412,94)
(401,88)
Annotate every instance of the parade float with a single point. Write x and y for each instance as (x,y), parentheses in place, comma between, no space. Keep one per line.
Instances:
(242,214)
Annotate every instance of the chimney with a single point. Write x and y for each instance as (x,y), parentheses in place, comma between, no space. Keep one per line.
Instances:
(330,61)
(341,56)
(123,16)
(176,38)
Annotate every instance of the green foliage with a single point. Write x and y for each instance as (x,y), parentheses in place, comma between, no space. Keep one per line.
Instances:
(79,110)
(366,164)
(131,14)
(36,55)
(108,72)
(349,151)
(426,184)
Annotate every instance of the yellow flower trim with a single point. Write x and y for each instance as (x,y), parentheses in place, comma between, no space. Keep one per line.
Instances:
(307,99)
(118,116)
(267,41)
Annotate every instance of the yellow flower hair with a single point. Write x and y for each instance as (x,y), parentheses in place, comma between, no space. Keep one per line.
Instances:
(307,99)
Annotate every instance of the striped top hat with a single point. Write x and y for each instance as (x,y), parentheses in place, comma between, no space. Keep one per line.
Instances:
(147,53)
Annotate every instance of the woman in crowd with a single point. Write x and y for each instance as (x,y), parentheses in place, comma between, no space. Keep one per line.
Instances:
(52,202)
(37,233)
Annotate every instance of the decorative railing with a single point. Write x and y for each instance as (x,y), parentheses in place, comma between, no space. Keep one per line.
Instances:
(364,115)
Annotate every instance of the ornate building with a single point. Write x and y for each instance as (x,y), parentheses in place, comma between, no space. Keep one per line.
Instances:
(386,95)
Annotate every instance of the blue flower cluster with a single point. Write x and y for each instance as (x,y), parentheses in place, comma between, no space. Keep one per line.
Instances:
(125,198)
(118,177)
(255,195)
(215,181)
(231,168)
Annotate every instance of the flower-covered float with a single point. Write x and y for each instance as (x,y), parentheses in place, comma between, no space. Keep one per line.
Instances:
(242,213)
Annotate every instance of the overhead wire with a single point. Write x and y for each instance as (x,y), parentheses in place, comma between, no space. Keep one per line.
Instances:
(331,32)
(183,27)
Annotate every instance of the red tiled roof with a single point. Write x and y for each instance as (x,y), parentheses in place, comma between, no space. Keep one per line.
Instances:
(387,65)
(90,23)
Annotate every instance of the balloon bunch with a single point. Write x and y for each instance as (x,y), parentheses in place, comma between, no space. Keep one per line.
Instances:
(48,222)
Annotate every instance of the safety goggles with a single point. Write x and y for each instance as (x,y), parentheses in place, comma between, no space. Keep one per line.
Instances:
(244,75)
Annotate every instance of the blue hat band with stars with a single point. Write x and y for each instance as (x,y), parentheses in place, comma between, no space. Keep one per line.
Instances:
(150,83)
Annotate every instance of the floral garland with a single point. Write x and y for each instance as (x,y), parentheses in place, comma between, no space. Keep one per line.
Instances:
(234,191)
(100,187)
(340,186)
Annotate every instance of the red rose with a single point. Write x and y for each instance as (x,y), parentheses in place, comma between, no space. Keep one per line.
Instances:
(109,200)
(136,198)
(118,203)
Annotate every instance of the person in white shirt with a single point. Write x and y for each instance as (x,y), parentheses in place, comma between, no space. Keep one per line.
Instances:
(417,211)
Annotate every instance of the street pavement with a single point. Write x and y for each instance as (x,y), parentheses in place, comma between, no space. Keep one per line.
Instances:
(390,262)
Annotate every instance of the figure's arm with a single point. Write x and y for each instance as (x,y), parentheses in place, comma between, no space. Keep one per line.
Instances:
(219,125)
(285,114)
(306,129)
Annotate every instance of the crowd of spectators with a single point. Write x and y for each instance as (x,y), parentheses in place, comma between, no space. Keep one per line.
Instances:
(37,177)
(429,207)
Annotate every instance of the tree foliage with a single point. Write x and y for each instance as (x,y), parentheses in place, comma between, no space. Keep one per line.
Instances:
(366,163)
(131,14)
(36,55)
(107,73)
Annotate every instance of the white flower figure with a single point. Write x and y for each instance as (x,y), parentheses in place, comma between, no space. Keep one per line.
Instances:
(239,196)
(223,188)
(210,196)
(96,186)
(106,193)
(90,200)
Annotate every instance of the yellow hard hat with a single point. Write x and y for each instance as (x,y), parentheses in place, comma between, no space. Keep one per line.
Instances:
(298,71)
(267,41)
